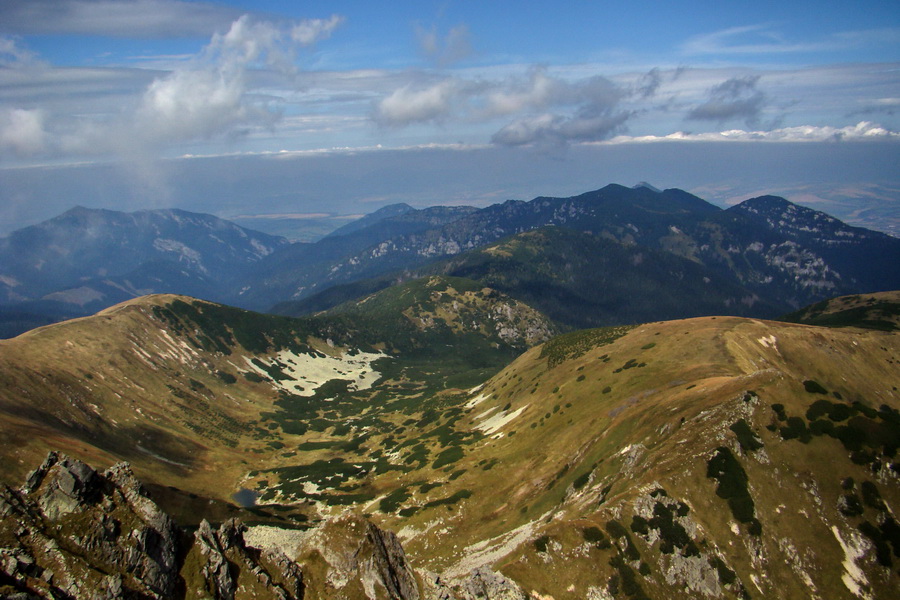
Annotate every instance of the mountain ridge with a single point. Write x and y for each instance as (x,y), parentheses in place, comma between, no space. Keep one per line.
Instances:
(786,270)
(86,259)
(781,256)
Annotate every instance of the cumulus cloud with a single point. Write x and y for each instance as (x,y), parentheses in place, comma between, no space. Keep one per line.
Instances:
(584,110)
(444,50)
(410,104)
(539,90)
(310,31)
(13,55)
(556,129)
(546,108)
(650,82)
(22,131)
(210,95)
(735,98)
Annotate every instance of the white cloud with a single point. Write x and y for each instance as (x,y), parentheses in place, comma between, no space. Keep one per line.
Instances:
(748,39)
(764,39)
(22,131)
(735,98)
(557,129)
(538,90)
(310,31)
(409,105)
(545,108)
(862,131)
(189,104)
(13,55)
(453,47)
(207,96)
(210,95)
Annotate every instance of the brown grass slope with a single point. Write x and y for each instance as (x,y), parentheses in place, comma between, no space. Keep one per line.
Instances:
(122,386)
(712,457)
(601,483)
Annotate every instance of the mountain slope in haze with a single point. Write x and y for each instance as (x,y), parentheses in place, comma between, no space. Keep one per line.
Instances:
(577,279)
(810,251)
(717,457)
(385,212)
(811,257)
(87,259)
(868,311)
(778,256)
(607,211)
(584,281)
(297,270)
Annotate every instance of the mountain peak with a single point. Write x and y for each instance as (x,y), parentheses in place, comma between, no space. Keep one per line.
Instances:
(385,212)
(644,184)
(782,211)
(768,202)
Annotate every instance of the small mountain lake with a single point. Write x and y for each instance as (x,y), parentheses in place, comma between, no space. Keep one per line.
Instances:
(245,498)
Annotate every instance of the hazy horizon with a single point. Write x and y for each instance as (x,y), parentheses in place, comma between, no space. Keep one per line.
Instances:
(240,107)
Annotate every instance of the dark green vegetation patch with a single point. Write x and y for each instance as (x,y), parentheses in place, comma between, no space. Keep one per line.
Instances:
(870,436)
(670,532)
(578,343)
(875,314)
(733,486)
(748,440)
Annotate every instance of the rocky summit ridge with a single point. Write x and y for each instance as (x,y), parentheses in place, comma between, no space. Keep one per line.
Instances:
(72,532)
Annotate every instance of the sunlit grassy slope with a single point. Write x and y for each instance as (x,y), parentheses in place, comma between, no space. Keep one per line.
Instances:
(719,457)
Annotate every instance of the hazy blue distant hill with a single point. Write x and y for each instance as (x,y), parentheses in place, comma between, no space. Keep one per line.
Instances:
(87,259)
(763,257)
(301,269)
(385,212)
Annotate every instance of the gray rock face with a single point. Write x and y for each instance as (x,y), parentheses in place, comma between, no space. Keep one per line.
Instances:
(224,549)
(71,532)
(77,523)
(485,584)
(389,561)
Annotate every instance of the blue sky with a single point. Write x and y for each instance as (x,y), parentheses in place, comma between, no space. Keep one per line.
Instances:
(150,85)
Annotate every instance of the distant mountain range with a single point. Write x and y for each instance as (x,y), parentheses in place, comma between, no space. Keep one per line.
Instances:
(88,259)
(614,255)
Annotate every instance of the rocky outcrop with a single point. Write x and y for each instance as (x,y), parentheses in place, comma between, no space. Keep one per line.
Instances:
(226,558)
(359,560)
(388,562)
(480,584)
(72,532)
(485,584)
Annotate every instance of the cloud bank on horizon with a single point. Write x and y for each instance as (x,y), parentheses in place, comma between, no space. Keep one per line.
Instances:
(141,80)
(168,77)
